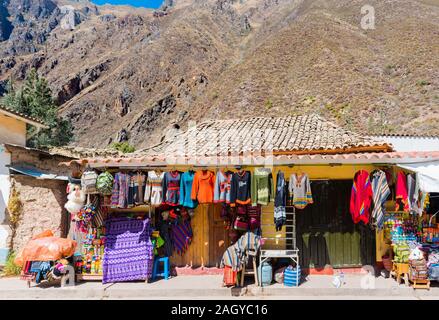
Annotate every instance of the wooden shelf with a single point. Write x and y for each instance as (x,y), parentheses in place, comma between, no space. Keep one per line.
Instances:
(89,277)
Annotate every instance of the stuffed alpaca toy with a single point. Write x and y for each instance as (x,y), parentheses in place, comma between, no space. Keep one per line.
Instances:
(76,199)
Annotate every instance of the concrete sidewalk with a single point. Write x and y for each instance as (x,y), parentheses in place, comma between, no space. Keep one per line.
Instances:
(209,287)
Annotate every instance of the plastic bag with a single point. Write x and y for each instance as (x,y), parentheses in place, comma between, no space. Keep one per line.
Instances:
(46,249)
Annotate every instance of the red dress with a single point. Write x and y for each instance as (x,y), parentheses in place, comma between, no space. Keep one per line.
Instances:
(361,197)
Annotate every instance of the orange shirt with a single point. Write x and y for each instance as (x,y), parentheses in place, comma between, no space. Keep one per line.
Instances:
(203,186)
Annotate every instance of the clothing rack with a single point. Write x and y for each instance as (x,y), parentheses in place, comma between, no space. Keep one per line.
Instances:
(288,238)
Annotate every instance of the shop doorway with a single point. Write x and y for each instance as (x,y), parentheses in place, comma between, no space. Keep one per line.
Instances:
(210,239)
(326,235)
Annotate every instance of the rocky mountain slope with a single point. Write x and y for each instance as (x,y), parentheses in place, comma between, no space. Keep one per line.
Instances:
(120,71)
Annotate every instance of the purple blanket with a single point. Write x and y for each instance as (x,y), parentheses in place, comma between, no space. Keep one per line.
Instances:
(128,253)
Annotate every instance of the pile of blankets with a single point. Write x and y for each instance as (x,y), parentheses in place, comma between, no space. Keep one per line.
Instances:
(236,256)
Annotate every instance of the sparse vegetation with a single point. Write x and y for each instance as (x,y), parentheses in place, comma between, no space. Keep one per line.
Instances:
(422,83)
(268,104)
(123,147)
(11,269)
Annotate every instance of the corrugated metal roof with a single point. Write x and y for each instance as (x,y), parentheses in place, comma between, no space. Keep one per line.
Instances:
(36,173)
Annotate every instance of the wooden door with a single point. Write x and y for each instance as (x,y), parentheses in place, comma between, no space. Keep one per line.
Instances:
(218,236)
(209,241)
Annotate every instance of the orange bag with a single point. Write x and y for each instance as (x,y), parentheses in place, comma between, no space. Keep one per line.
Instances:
(47,233)
(46,249)
(229,276)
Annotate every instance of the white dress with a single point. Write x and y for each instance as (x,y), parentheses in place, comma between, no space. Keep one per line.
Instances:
(153,189)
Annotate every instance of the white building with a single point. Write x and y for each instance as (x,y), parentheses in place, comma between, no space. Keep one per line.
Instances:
(12,131)
(407,143)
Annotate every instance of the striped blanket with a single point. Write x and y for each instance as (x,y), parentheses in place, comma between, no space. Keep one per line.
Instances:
(236,255)
(181,235)
(128,252)
(381,192)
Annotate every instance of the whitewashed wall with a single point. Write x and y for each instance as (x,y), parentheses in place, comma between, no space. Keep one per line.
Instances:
(5,159)
(404,144)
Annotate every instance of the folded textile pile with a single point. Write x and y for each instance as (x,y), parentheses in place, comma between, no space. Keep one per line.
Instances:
(418,269)
(402,252)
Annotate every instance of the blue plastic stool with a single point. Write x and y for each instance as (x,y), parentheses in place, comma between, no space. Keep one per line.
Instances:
(166,268)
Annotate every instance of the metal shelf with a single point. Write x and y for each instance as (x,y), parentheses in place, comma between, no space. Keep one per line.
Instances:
(290,239)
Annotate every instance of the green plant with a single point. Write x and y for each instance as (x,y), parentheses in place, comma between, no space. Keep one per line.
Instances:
(309,100)
(10,268)
(422,83)
(123,147)
(34,99)
(268,104)
(15,206)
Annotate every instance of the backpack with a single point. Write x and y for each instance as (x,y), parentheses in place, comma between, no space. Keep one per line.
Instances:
(88,182)
(104,183)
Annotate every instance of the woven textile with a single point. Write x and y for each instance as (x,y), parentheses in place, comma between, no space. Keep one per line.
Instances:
(128,253)
(181,235)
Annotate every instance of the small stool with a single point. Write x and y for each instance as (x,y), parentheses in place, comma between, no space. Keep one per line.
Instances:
(166,268)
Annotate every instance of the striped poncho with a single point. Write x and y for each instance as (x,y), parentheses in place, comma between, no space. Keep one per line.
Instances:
(181,235)
(361,197)
(236,255)
(381,192)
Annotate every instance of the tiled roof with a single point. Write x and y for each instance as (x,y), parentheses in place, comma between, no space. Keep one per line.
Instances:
(80,152)
(347,158)
(31,120)
(307,134)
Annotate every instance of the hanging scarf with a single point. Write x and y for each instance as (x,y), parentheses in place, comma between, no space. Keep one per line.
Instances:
(402,193)
(381,192)
(182,235)
(361,197)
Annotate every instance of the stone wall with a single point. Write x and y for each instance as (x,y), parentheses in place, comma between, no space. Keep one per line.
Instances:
(43,200)
(43,208)
(40,160)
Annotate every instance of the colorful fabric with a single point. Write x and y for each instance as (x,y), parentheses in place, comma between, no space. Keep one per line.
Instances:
(300,187)
(128,251)
(187,180)
(104,183)
(280,201)
(240,190)
(119,195)
(137,188)
(171,188)
(361,197)
(236,255)
(381,192)
(262,188)
(222,187)
(153,188)
(402,203)
(203,186)
(181,235)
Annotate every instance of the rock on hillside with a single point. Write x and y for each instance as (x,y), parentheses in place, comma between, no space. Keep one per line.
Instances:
(147,72)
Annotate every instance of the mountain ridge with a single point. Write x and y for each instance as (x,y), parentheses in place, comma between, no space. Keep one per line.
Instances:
(147,72)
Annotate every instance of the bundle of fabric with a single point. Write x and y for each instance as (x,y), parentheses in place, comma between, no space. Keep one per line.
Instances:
(181,235)
(418,269)
(128,253)
(402,252)
(237,254)
(433,257)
